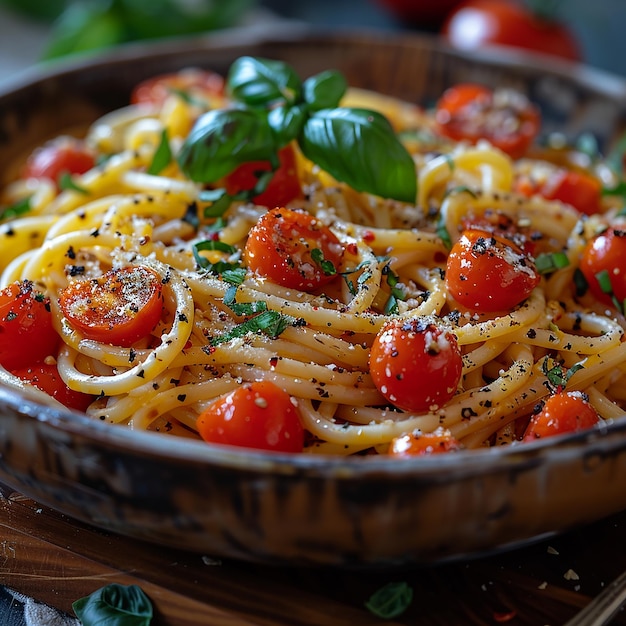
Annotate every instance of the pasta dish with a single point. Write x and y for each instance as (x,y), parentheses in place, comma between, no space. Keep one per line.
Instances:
(298,266)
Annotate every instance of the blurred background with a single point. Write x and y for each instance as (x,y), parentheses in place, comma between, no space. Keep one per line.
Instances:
(34,31)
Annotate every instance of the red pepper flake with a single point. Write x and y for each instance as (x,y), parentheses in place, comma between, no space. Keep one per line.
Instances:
(352,248)
(368,235)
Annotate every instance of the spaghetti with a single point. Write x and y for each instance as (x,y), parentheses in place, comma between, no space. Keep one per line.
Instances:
(225,322)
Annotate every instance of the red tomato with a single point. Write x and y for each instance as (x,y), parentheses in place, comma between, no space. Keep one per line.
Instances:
(423,444)
(284,186)
(416,363)
(119,307)
(564,412)
(604,258)
(487,273)
(257,415)
(26,332)
(192,82)
(504,117)
(53,160)
(45,376)
(503,225)
(578,189)
(477,23)
(293,249)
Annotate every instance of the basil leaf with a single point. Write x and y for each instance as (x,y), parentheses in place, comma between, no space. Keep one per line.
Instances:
(13,210)
(287,122)
(391,600)
(360,148)
(162,156)
(270,323)
(324,90)
(223,139)
(66,182)
(114,605)
(261,82)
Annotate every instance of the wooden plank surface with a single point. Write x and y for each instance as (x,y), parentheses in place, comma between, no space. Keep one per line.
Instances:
(57,560)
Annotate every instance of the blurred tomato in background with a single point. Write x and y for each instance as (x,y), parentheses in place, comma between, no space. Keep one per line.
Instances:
(534,26)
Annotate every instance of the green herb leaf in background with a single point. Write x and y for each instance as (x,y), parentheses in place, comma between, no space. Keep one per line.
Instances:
(114,605)
(391,600)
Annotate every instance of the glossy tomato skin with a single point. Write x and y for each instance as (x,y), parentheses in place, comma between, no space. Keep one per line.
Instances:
(504,117)
(578,189)
(119,307)
(65,156)
(193,81)
(45,376)
(424,444)
(416,363)
(564,412)
(283,187)
(281,246)
(26,332)
(476,23)
(606,254)
(257,415)
(487,273)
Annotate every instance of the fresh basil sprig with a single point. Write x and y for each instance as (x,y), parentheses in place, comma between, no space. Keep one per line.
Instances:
(356,146)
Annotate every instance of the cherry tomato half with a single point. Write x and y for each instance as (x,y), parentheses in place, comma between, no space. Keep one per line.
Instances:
(59,157)
(423,444)
(604,261)
(488,274)
(26,332)
(283,187)
(257,415)
(192,82)
(45,376)
(293,249)
(477,23)
(119,307)
(504,117)
(578,189)
(415,363)
(564,412)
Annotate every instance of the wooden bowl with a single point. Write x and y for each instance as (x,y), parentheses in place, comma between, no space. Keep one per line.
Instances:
(307,509)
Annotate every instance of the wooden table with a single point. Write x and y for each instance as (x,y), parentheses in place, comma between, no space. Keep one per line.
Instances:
(57,560)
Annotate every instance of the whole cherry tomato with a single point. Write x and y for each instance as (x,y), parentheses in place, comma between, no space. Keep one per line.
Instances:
(283,187)
(423,444)
(504,117)
(565,412)
(603,264)
(45,376)
(192,83)
(257,415)
(59,157)
(578,189)
(26,332)
(477,23)
(488,274)
(119,307)
(416,363)
(293,249)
